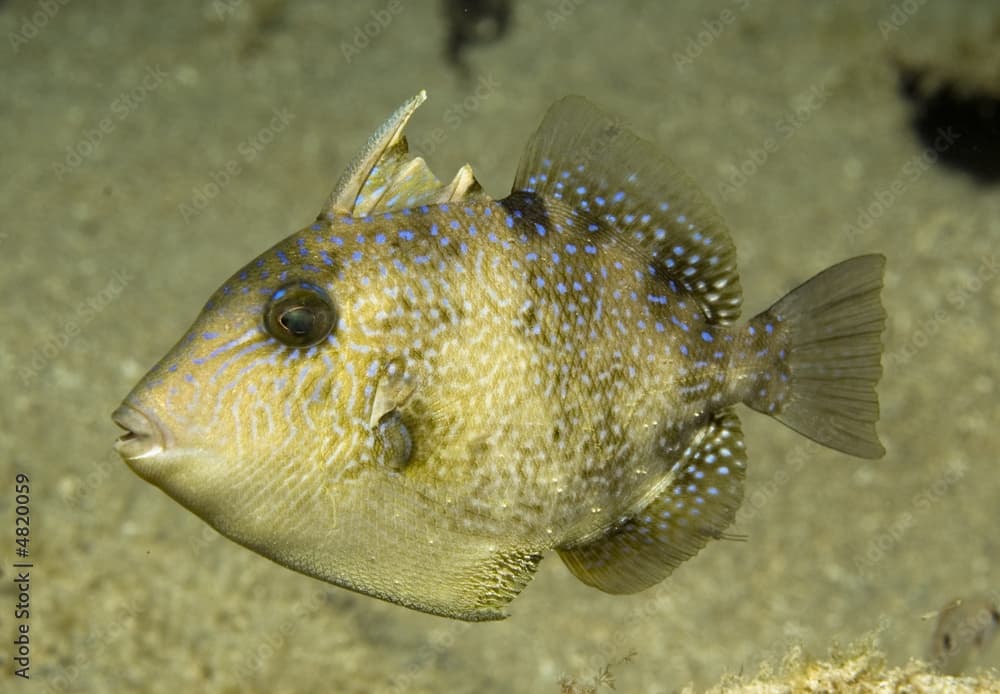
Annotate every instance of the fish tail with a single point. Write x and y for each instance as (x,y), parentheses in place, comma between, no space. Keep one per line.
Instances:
(829,331)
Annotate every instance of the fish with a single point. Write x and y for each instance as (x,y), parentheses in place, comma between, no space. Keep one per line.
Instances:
(425,390)
(963,632)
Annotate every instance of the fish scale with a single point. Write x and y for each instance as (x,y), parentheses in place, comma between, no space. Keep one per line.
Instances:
(425,390)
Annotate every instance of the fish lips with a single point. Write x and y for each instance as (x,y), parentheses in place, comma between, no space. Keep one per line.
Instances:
(145,436)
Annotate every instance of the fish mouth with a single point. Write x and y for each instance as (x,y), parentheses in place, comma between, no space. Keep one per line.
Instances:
(144,434)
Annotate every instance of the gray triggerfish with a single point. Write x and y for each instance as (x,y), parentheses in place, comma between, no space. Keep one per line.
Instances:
(422,392)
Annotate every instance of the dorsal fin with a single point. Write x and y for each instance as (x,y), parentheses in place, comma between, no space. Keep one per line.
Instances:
(382,177)
(590,161)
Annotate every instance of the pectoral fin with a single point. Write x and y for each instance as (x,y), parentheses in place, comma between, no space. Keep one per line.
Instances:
(393,441)
(698,505)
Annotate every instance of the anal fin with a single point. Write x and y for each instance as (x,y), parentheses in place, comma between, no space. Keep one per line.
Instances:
(698,505)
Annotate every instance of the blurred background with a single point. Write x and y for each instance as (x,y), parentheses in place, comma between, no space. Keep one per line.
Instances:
(152,148)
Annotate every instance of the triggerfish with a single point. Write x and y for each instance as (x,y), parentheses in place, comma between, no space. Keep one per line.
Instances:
(418,395)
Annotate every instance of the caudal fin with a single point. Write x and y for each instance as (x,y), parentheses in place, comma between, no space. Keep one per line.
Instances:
(833,325)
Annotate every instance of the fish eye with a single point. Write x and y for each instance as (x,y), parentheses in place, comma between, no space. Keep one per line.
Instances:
(300,314)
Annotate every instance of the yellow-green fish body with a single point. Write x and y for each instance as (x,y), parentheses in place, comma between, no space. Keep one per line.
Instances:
(421,393)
